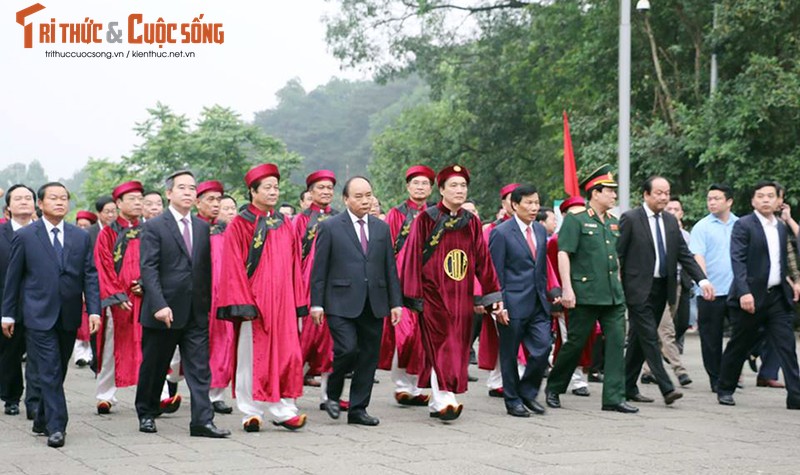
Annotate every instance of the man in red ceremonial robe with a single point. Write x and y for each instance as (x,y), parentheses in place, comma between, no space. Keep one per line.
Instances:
(82,352)
(220,332)
(264,294)
(315,340)
(580,387)
(445,252)
(488,349)
(401,347)
(116,254)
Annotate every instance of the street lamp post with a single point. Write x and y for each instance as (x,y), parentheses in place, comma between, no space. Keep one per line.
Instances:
(624,132)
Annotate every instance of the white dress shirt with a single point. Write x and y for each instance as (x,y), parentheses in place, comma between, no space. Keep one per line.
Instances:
(651,220)
(357,226)
(774,245)
(49,227)
(178,217)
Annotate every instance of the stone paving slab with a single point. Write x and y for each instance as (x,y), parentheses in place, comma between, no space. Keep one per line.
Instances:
(696,436)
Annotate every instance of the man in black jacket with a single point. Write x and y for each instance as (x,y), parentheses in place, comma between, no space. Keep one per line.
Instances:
(175,257)
(649,248)
(354,283)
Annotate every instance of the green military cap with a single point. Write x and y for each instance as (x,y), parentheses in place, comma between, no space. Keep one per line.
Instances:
(601,176)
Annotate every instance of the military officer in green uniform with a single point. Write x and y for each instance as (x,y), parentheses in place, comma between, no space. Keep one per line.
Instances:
(592,291)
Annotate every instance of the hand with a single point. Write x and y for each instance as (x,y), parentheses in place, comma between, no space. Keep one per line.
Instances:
(94,323)
(786,212)
(397,315)
(708,292)
(126,306)
(8,329)
(747,303)
(796,288)
(136,288)
(568,297)
(317,316)
(556,300)
(479,309)
(501,317)
(497,307)
(165,316)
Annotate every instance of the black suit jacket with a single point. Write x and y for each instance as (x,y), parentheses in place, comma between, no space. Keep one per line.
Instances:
(6,236)
(750,262)
(40,290)
(171,277)
(637,256)
(94,231)
(343,277)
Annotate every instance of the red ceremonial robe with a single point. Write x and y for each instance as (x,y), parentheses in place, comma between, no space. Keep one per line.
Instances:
(220,332)
(443,288)
(405,337)
(315,340)
(83,331)
(116,288)
(272,297)
(586,354)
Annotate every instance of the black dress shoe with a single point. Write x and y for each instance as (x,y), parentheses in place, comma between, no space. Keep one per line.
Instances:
(672,396)
(552,400)
(39,429)
(56,440)
(12,409)
(648,378)
(639,397)
(471,378)
(332,408)
(622,407)
(30,414)
(208,430)
(751,361)
(82,363)
(517,410)
(221,408)
(596,377)
(726,399)
(583,392)
(147,425)
(362,418)
(792,405)
(684,380)
(534,406)
(496,392)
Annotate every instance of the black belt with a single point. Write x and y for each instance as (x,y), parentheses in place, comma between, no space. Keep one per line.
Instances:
(773,288)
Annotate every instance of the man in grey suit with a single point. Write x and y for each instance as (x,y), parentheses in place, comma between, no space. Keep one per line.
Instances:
(354,283)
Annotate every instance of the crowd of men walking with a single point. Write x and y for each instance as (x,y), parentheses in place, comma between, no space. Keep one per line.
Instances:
(263,300)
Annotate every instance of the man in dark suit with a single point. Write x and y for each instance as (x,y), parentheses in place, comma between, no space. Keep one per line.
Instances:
(175,259)
(20,201)
(50,272)
(519,252)
(649,248)
(106,212)
(354,283)
(761,295)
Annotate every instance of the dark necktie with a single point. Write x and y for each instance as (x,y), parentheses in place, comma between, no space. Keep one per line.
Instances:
(363,236)
(58,247)
(662,251)
(186,237)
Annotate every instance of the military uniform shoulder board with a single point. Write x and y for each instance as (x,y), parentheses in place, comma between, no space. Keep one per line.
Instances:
(611,215)
(576,209)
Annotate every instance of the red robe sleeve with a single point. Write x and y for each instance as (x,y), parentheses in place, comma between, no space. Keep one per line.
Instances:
(411,273)
(484,269)
(235,298)
(395,220)
(300,290)
(112,290)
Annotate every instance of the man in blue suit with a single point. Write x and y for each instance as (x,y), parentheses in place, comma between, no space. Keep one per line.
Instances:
(50,272)
(519,251)
(760,295)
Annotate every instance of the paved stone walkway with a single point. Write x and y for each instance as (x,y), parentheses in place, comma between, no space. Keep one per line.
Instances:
(694,436)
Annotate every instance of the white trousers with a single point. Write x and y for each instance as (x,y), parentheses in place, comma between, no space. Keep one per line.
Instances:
(82,351)
(495,378)
(174,376)
(404,382)
(280,411)
(440,399)
(106,384)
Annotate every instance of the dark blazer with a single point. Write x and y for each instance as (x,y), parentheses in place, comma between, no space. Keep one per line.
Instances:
(750,261)
(6,236)
(94,231)
(170,277)
(343,277)
(39,290)
(637,256)
(516,268)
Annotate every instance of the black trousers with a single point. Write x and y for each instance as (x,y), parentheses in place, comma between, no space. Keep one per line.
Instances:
(11,374)
(681,319)
(158,346)
(711,316)
(534,333)
(776,318)
(49,352)
(643,340)
(356,346)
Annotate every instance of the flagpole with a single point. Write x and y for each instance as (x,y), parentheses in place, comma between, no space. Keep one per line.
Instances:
(624,132)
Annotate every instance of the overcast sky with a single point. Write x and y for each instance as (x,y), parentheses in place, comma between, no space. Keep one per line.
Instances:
(63,111)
